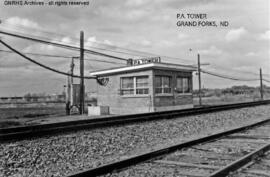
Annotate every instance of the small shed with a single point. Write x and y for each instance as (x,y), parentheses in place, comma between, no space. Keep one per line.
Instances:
(145,86)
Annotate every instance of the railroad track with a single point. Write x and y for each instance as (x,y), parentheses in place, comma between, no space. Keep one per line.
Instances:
(216,155)
(19,133)
(257,167)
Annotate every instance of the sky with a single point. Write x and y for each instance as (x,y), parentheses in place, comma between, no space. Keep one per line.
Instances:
(126,28)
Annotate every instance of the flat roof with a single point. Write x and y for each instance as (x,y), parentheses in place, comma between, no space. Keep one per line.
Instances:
(166,66)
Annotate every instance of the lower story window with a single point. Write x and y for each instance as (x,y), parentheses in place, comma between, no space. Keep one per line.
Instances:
(163,84)
(127,86)
(137,85)
(183,85)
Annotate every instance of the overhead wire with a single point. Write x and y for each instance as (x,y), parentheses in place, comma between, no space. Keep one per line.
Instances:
(88,46)
(230,69)
(17,26)
(61,45)
(33,35)
(61,56)
(102,54)
(37,54)
(58,56)
(134,52)
(239,72)
(103,61)
(68,46)
(42,65)
(227,77)
(266,80)
(34,29)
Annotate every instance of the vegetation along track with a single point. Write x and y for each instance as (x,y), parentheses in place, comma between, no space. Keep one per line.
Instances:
(215,155)
(18,133)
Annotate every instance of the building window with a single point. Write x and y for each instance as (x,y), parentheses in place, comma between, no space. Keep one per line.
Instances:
(183,85)
(127,86)
(141,85)
(163,84)
(134,85)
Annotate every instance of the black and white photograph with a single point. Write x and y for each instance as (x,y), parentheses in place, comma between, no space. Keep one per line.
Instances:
(135,88)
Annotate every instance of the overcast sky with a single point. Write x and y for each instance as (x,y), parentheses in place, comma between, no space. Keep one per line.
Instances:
(238,50)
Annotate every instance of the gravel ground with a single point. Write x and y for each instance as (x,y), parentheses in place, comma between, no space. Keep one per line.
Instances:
(261,165)
(216,154)
(65,154)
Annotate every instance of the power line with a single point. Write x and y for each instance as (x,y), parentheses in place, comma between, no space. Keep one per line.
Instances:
(103,61)
(19,27)
(227,77)
(266,80)
(93,52)
(42,65)
(37,54)
(229,69)
(60,56)
(62,45)
(237,71)
(134,52)
(98,48)
(18,31)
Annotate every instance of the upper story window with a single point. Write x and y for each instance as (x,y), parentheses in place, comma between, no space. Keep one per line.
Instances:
(183,85)
(134,85)
(163,84)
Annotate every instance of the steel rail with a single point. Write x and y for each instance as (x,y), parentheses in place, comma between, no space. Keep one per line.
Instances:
(241,162)
(131,161)
(24,132)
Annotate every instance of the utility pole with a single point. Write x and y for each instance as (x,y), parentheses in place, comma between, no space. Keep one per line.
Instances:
(261,84)
(69,88)
(82,72)
(68,95)
(71,80)
(199,78)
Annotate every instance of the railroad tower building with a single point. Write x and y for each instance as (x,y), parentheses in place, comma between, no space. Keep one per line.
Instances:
(145,85)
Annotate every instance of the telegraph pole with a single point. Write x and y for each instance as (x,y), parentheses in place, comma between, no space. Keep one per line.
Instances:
(199,78)
(71,80)
(261,84)
(69,89)
(82,72)
(68,95)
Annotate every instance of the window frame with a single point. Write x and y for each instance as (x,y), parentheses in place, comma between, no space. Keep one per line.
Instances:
(135,89)
(162,85)
(182,91)
(144,88)
(126,89)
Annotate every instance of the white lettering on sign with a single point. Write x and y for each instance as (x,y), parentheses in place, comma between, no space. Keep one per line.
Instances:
(146,60)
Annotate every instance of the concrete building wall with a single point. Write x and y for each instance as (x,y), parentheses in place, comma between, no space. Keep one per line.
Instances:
(109,95)
(172,100)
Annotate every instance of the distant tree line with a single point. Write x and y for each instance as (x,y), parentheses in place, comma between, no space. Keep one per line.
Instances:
(234,90)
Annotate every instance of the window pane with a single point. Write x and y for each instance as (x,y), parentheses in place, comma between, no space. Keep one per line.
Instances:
(142,82)
(128,87)
(141,91)
(158,82)
(179,85)
(127,92)
(158,90)
(163,84)
(127,82)
(186,85)
(167,90)
(166,82)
